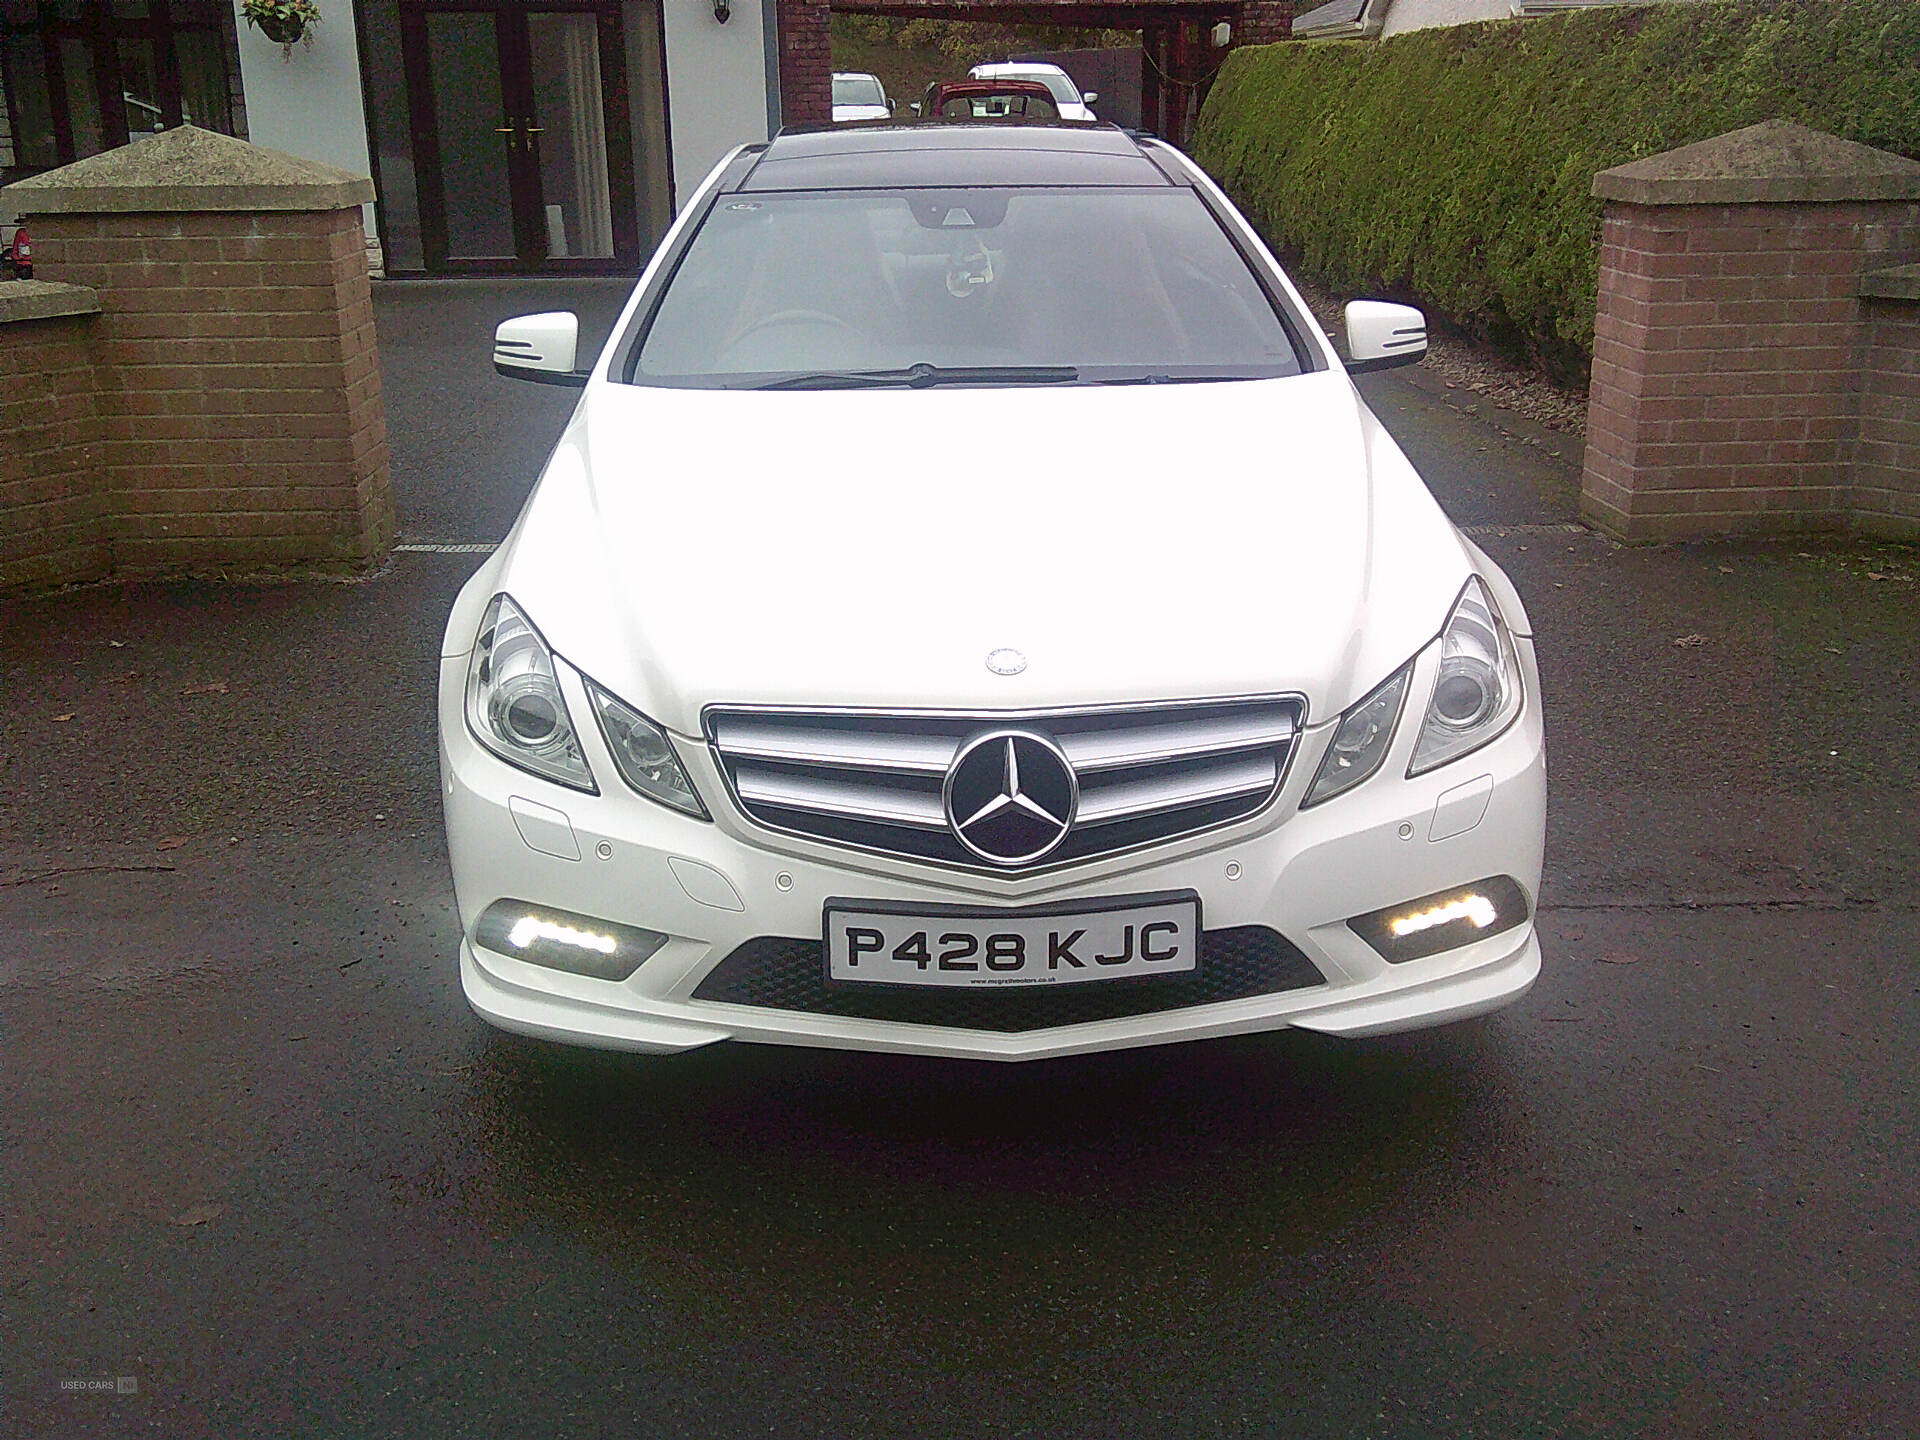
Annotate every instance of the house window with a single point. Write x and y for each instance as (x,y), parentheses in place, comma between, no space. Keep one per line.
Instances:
(82,76)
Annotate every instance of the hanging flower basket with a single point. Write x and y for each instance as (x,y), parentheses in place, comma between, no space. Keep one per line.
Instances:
(285,22)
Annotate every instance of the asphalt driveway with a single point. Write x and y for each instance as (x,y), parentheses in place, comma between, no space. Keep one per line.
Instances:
(265,1174)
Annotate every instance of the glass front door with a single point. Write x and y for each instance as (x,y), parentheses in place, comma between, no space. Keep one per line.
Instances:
(520,122)
(576,206)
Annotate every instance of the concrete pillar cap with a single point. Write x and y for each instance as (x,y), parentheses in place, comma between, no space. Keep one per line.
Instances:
(1772,163)
(1902,282)
(45,300)
(186,169)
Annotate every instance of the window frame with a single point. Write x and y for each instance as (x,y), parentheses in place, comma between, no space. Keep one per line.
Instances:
(101,32)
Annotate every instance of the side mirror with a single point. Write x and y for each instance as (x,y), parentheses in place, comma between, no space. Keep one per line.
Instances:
(539,348)
(915,107)
(1381,336)
(1087,97)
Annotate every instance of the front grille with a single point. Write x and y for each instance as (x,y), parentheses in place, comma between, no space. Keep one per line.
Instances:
(775,973)
(874,781)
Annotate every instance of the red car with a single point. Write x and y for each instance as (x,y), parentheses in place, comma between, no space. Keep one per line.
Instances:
(987,100)
(16,256)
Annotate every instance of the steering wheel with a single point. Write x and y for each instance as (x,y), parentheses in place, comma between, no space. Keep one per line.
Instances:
(796,317)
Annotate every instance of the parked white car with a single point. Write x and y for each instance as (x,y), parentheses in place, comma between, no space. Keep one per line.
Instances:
(971,612)
(859,96)
(1073,105)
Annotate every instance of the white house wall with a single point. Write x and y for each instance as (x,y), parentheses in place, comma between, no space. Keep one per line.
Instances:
(1405,15)
(309,104)
(717,85)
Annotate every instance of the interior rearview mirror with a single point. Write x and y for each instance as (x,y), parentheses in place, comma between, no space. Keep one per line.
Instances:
(540,348)
(1381,336)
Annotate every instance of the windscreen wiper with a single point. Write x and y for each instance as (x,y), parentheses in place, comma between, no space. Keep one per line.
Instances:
(922,376)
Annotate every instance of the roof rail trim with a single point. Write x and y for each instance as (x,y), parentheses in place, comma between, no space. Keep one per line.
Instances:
(1167,160)
(741,167)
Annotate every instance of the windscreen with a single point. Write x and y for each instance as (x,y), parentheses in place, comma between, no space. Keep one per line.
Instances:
(998,107)
(857,90)
(1101,284)
(1064,90)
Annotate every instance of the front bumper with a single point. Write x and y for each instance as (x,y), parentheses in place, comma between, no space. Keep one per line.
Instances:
(714,886)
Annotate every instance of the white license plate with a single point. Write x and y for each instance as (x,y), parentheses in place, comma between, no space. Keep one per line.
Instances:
(930,945)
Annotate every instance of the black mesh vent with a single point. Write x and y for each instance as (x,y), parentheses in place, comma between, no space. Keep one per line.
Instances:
(776,973)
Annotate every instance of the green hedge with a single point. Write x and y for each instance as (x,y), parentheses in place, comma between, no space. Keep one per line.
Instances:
(1453,166)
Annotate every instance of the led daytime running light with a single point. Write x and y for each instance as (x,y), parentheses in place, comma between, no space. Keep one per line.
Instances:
(560,940)
(1429,924)
(530,928)
(1476,908)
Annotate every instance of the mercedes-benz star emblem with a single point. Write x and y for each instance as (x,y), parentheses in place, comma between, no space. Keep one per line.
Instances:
(1011,796)
(1006,661)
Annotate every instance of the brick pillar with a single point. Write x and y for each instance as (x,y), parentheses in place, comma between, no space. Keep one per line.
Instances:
(806,63)
(1729,332)
(1885,494)
(53,500)
(1261,22)
(238,383)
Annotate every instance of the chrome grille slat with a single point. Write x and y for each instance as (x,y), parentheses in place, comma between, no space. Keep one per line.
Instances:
(1156,744)
(839,797)
(768,740)
(1105,804)
(873,781)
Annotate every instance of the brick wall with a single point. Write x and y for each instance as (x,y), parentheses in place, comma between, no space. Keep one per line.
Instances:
(1261,22)
(53,487)
(1886,454)
(1726,349)
(806,63)
(239,393)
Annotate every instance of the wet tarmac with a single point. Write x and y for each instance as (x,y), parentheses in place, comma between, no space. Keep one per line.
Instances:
(263,1164)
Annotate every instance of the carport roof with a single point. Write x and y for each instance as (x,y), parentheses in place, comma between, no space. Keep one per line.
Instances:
(974,153)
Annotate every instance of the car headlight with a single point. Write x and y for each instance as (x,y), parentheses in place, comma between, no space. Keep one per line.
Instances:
(643,754)
(514,704)
(1362,741)
(1477,693)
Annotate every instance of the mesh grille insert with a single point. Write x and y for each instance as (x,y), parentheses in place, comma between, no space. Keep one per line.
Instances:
(779,973)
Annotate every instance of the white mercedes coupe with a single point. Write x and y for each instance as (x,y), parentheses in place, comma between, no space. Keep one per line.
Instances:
(971,612)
